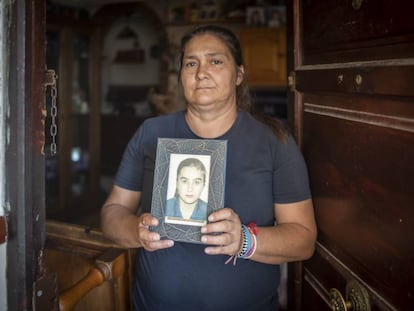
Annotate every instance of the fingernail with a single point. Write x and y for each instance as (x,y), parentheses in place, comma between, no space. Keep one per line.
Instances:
(203,229)
(204,239)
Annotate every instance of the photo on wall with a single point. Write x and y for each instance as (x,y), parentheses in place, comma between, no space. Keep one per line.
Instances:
(276,16)
(256,16)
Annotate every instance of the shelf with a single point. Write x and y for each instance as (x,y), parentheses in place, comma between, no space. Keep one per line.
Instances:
(238,20)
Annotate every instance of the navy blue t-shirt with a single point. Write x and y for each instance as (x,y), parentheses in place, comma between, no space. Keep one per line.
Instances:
(260,171)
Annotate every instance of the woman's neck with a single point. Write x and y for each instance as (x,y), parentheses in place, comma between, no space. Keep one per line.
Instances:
(213,124)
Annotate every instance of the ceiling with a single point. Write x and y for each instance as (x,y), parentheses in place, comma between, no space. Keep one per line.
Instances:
(92,3)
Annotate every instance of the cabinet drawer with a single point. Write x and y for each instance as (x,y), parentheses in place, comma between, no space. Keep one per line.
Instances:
(338,31)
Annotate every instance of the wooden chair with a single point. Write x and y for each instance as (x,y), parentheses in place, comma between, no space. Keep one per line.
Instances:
(92,273)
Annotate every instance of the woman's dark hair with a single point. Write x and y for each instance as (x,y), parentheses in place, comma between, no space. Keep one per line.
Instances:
(192,162)
(243,97)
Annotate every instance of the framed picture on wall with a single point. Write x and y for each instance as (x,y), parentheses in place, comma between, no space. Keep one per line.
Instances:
(189,181)
(276,16)
(208,10)
(256,16)
(177,13)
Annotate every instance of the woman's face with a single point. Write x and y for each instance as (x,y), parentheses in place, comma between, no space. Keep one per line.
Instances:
(190,183)
(209,75)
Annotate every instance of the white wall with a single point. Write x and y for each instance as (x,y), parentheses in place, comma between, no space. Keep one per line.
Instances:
(146,73)
(3,70)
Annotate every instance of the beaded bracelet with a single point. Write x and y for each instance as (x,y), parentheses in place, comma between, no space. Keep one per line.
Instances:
(249,243)
(252,250)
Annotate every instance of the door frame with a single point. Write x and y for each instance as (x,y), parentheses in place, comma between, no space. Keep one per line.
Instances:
(295,115)
(24,158)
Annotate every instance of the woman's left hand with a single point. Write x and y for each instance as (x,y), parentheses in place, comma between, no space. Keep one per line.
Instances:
(227,223)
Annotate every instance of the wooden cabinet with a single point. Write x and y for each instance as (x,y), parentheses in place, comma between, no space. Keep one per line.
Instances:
(264,52)
(355,121)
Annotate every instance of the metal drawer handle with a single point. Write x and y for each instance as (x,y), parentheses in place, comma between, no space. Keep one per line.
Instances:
(356,299)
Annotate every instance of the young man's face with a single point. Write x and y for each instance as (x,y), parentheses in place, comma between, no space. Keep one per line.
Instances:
(190,183)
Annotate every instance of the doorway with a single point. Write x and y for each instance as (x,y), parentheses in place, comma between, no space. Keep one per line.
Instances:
(108,61)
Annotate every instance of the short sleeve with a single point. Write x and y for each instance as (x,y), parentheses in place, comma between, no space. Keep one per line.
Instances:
(130,170)
(290,175)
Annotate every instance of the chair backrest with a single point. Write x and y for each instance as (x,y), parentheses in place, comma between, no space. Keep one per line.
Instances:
(92,272)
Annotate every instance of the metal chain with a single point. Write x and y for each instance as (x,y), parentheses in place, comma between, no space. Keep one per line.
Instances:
(53,114)
(51,80)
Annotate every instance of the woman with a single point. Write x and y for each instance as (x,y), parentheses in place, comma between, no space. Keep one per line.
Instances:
(266,187)
(186,203)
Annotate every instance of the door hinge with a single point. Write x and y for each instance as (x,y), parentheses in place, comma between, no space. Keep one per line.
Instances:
(45,293)
(3,229)
(292,81)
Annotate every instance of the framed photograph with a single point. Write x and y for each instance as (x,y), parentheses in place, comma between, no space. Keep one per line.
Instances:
(256,16)
(276,16)
(208,10)
(189,182)
(176,13)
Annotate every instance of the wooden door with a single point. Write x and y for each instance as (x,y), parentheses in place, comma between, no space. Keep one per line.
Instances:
(354,118)
(22,103)
(30,284)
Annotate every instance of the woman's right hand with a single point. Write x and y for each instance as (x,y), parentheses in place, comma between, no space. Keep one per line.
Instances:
(120,223)
(150,240)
